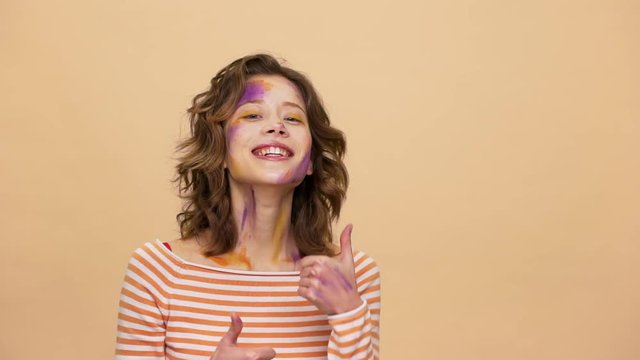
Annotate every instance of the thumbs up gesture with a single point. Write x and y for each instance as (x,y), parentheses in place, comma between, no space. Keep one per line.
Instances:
(330,283)
(229,350)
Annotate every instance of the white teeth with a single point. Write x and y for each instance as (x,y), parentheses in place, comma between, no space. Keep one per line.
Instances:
(272,150)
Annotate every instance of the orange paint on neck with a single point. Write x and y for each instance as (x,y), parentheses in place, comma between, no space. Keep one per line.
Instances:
(235,259)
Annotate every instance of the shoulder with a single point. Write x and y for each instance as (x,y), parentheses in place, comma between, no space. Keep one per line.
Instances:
(150,255)
(147,249)
(367,270)
(189,250)
(151,267)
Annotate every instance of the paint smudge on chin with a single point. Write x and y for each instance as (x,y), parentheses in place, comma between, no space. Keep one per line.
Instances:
(254,90)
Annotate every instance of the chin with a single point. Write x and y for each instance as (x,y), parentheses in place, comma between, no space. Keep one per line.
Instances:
(288,178)
(285,180)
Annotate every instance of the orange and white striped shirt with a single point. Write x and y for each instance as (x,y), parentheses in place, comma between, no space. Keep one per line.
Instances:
(174,309)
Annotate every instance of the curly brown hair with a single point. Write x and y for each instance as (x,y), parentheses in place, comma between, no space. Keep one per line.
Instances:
(202,178)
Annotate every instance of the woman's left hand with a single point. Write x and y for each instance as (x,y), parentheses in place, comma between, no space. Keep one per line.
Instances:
(330,283)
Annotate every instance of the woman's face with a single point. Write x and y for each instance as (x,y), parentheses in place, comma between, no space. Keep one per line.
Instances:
(268,136)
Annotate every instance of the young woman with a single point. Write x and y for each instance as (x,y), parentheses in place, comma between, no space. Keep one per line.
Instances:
(255,274)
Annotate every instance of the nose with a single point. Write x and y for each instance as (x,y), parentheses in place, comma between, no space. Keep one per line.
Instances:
(277,127)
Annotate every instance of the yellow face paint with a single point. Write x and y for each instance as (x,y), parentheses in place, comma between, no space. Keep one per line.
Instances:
(278,237)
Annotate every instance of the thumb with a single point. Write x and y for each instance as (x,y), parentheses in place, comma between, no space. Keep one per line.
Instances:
(346,253)
(231,337)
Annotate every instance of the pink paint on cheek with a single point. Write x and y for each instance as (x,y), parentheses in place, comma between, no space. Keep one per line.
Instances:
(231,132)
(299,172)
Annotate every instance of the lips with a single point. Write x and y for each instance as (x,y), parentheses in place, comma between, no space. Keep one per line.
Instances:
(273,151)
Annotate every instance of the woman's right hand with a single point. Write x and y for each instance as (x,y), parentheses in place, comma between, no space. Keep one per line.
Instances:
(228,348)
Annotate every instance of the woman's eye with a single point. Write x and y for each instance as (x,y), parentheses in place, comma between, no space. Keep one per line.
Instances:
(293,119)
(251,116)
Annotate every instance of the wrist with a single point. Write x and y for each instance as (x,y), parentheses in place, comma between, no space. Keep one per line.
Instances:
(349,315)
(350,305)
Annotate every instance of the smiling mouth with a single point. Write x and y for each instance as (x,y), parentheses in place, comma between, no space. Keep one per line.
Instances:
(272,152)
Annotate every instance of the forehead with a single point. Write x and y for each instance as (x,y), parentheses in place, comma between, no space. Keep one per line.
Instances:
(260,86)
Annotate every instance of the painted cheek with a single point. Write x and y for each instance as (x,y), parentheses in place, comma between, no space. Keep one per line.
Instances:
(233,137)
(232,131)
(297,175)
(301,171)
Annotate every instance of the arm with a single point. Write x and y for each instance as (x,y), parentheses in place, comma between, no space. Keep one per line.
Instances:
(347,289)
(356,333)
(142,310)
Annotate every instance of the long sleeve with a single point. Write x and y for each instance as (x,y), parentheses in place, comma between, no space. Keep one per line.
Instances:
(356,334)
(143,309)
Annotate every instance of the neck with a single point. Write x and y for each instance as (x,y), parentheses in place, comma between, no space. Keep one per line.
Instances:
(263,220)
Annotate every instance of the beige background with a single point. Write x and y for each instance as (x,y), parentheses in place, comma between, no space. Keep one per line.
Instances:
(493,148)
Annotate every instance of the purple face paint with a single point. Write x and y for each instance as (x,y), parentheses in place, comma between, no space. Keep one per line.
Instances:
(231,132)
(254,90)
(298,173)
(249,211)
(301,170)
(244,218)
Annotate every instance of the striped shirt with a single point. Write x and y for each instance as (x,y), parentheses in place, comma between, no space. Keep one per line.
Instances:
(174,309)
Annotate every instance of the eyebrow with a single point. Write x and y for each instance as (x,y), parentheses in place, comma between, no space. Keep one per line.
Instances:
(289,103)
(286,103)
